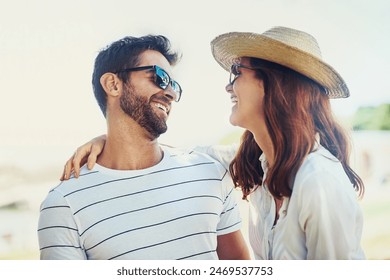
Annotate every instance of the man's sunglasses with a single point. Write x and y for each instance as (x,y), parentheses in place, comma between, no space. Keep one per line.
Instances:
(162,79)
(235,72)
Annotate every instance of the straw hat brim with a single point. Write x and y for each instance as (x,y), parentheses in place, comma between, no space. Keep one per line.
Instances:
(227,47)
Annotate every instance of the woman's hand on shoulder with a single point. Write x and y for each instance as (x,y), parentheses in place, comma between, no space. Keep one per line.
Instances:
(86,153)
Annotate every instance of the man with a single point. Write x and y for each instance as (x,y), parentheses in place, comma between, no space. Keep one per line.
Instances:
(141,200)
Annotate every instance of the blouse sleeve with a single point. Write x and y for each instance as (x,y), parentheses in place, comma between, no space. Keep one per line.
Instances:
(330,217)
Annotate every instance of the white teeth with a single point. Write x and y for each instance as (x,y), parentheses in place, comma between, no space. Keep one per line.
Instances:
(162,107)
(234,99)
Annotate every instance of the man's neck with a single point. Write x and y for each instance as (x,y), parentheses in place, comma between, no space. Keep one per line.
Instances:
(130,150)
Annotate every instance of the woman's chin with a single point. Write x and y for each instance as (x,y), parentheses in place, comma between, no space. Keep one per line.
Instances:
(233,121)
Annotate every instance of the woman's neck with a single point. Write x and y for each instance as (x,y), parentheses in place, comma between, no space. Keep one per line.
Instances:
(263,140)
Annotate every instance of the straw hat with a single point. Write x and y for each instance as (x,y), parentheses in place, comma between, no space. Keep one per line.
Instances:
(288,47)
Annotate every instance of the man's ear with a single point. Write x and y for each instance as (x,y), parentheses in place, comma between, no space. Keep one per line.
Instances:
(111,84)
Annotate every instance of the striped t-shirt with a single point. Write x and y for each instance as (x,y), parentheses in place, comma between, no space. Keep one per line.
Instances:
(173,210)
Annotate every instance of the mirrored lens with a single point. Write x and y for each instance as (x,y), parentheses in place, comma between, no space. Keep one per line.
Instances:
(162,78)
(175,86)
(177,89)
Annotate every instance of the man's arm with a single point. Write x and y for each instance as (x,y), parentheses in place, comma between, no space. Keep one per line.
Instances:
(232,246)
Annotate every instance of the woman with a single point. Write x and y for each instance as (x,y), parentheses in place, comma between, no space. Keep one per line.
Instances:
(303,192)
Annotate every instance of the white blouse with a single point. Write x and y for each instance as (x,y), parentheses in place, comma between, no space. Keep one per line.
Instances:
(321,220)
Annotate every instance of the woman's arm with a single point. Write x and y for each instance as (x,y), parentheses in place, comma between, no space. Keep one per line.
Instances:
(89,152)
(222,153)
(86,153)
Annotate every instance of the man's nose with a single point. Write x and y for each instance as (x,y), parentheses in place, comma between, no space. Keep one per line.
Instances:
(170,93)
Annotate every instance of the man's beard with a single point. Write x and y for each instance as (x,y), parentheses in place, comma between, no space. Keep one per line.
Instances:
(139,109)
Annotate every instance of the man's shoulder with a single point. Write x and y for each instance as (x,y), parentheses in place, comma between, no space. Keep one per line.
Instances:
(189,154)
(86,177)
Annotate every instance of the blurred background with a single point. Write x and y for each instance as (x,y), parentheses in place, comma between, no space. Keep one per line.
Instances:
(47,50)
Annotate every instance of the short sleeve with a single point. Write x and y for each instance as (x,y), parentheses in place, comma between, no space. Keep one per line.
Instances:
(57,231)
(230,219)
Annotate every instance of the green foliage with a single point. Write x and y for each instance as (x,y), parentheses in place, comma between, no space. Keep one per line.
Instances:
(372,118)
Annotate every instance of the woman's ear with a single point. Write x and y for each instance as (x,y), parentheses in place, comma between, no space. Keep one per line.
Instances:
(110,84)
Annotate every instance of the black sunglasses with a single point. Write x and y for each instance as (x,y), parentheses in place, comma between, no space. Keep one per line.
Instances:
(235,72)
(162,80)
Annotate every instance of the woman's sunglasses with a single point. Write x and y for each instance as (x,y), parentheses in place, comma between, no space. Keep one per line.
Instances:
(162,80)
(235,72)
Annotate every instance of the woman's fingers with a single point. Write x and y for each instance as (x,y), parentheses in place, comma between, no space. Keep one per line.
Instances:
(86,153)
(80,158)
(67,169)
(95,151)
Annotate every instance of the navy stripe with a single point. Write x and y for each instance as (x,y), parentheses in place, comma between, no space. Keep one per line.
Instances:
(44,228)
(230,209)
(152,225)
(220,229)
(60,246)
(164,242)
(146,208)
(226,172)
(57,206)
(194,255)
(72,177)
(144,191)
(85,174)
(134,177)
(231,190)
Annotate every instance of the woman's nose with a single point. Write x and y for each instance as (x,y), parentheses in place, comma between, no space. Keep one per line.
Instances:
(229,88)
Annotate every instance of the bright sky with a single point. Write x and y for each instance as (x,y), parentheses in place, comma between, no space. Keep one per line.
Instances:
(47,49)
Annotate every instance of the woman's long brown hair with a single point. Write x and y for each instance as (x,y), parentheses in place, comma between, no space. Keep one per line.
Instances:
(295,108)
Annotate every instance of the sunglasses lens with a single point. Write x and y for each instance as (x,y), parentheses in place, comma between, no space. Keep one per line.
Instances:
(177,89)
(162,78)
(175,86)
(235,69)
(233,73)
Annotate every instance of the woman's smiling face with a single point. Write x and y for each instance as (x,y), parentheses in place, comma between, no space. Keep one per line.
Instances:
(247,94)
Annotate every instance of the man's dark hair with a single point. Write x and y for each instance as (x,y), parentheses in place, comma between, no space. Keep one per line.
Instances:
(124,53)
